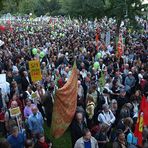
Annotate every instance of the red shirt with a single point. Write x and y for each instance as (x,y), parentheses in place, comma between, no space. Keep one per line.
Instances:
(43,145)
(2,116)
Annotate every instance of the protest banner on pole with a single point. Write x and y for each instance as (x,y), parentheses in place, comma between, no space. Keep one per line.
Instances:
(107,39)
(35,70)
(15,112)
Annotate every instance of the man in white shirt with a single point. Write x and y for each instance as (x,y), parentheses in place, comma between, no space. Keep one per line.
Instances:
(106,116)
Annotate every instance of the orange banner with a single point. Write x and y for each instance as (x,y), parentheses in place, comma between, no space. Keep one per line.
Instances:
(65,105)
(119,47)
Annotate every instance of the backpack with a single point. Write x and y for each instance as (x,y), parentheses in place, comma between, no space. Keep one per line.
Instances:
(132,140)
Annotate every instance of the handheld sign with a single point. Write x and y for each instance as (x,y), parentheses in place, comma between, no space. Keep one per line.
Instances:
(2,78)
(35,70)
(15,112)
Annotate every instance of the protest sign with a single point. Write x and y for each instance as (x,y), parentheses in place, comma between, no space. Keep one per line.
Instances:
(15,112)
(2,78)
(1,43)
(35,70)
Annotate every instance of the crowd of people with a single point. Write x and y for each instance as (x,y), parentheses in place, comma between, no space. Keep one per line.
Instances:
(106,112)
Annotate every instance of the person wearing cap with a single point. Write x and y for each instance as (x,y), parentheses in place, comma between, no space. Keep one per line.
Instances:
(106,116)
(16,139)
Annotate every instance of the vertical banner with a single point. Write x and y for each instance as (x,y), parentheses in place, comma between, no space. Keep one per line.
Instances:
(97,39)
(103,36)
(65,105)
(107,39)
(35,70)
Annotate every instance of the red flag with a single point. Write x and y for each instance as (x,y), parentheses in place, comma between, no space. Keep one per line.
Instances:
(119,47)
(97,39)
(2,28)
(139,128)
(144,108)
(142,120)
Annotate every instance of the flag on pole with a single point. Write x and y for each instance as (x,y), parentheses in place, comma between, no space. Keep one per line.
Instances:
(65,105)
(97,39)
(142,120)
(119,47)
(107,38)
(139,128)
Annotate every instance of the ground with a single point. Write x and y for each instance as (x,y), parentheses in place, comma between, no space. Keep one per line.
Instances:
(62,142)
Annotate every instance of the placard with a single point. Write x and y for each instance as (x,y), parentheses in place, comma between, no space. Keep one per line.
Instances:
(15,112)
(2,78)
(35,70)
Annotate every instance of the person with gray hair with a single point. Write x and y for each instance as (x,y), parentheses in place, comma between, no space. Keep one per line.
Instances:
(114,106)
(106,116)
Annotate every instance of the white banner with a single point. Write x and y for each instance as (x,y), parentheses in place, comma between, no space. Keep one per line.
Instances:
(107,40)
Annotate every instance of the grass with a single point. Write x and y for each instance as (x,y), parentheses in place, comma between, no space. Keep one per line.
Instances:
(62,142)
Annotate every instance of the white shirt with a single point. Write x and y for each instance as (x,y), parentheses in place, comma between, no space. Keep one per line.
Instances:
(107,117)
(5,88)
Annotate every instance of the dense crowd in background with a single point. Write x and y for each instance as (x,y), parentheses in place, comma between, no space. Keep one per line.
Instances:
(105,114)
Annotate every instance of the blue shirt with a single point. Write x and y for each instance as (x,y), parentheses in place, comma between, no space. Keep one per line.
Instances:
(16,142)
(87,144)
(36,123)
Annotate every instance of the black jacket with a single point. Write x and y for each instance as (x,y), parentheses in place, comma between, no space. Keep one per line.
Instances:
(76,131)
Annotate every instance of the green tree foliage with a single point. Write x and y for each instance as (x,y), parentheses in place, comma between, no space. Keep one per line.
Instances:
(124,9)
(53,7)
(118,9)
(10,6)
(37,7)
(84,8)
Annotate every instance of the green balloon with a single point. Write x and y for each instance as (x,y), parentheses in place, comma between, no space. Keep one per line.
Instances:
(96,65)
(34,51)
(99,55)
(42,54)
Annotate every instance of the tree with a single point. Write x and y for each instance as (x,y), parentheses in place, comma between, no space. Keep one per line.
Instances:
(124,9)
(10,6)
(84,8)
(53,7)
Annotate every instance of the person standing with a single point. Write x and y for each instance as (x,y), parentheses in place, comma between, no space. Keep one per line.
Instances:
(16,139)
(87,141)
(121,141)
(35,122)
(77,126)
(106,116)
(42,143)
